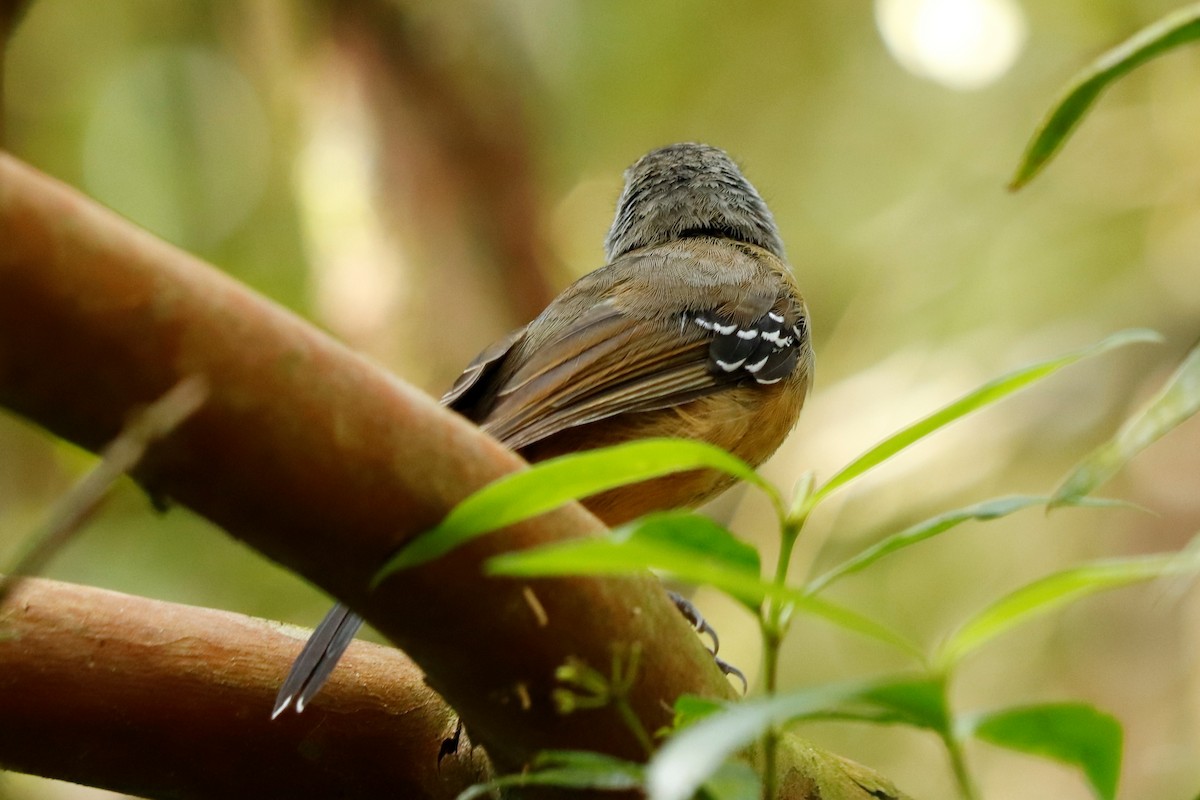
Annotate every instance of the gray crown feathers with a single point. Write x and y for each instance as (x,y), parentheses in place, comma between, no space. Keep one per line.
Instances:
(688,189)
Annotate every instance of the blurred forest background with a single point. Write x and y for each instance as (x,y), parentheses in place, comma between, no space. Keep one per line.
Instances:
(418,178)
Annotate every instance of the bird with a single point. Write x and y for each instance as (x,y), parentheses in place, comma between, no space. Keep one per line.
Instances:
(695,328)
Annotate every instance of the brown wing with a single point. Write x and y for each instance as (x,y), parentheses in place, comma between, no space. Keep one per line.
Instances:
(604,364)
(641,335)
(475,376)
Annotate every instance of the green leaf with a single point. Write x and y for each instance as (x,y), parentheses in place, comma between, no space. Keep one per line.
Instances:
(856,623)
(568,769)
(675,543)
(557,481)
(920,701)
(1178,400)
(686,545)
(690,708)
(990,509)
(1057,590)
(1073,733)
(735,780)
(691,758)
(987,510)
(985,395)
(1175,29)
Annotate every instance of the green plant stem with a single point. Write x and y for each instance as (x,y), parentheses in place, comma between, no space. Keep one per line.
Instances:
(966,786)
(635,725)
(772,637)
(770,743)
(773,622)
(776,615)
(790,530)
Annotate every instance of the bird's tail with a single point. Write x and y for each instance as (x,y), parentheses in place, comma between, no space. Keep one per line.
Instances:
(316,661)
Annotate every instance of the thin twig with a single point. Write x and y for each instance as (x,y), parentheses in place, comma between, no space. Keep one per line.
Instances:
(69,514)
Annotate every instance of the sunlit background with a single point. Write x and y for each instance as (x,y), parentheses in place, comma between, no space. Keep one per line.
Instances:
(418,178)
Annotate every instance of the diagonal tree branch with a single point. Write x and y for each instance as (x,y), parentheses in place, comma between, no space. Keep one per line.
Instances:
(146,697)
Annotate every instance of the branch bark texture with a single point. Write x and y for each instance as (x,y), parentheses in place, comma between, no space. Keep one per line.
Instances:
(159,699)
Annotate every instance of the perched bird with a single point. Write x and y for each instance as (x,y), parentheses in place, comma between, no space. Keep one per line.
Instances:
(695,328)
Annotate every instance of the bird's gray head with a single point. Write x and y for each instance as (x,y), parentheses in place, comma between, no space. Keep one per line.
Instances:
(688,190)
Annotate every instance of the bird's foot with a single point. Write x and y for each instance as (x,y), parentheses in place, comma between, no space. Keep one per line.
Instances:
(701,626)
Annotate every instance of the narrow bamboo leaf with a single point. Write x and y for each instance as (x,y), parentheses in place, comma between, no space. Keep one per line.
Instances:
(1178,400)
(694,755)
(917,701)
(545,486)
(735,780)
(1057,590)
(989,509)
(985,395)
(1072,733)
(651,543)
(683,544)
(690,708)
(1177,28)
(567,769)
(871,715)
(857,623)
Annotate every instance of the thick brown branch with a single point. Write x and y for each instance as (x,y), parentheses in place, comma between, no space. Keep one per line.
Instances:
(325,463)
(159,699)
(305,450)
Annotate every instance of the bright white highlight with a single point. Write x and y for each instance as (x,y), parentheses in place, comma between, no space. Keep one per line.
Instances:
(962,44)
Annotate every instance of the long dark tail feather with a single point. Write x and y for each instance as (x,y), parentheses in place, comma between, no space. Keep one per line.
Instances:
(316,661)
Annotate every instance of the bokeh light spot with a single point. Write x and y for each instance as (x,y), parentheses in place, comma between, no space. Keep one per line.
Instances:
(962,44)
(178,142)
